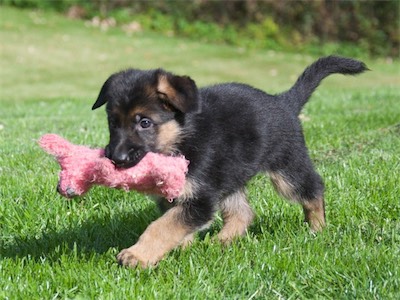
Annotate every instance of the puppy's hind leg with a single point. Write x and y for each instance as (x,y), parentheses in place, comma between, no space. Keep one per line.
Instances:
(300,183)
(314,213)
(237,216)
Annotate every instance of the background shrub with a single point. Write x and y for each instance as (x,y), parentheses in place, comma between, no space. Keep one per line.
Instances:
(370,26)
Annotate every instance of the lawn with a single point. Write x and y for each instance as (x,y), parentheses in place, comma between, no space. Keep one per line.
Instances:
(51,70)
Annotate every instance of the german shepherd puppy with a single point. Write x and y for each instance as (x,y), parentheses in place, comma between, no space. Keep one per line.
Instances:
(229,132)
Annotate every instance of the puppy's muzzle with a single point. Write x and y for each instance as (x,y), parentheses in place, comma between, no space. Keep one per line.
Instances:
(125,158)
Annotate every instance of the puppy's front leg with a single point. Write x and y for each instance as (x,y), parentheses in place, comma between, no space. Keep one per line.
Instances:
(160,237)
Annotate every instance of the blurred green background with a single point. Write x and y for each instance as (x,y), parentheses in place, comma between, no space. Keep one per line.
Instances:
(316,27)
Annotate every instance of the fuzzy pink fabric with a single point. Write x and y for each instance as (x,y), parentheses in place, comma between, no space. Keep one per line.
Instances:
(83,167)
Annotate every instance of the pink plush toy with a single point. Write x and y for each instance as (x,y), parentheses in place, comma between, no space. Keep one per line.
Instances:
(83,167)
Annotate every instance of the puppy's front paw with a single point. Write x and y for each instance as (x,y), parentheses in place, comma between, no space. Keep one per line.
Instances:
(127,258)
(131,257)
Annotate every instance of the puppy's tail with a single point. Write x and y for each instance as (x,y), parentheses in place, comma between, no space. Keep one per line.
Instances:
(305,85)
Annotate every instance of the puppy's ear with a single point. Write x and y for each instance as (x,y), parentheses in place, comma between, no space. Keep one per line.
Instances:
(178,91)
(103,96)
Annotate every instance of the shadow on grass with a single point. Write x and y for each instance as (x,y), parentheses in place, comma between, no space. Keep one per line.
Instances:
(102,233)
(97,235)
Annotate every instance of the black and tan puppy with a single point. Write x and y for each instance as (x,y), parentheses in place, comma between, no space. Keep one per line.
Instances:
(229,133)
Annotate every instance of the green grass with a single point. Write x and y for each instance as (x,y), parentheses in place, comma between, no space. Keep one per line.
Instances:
(51,70)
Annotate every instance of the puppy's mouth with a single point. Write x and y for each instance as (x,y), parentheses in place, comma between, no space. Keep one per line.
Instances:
(126,160)
(124,165)
(133,160)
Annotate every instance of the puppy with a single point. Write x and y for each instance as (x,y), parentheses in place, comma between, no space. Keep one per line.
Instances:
(229,132)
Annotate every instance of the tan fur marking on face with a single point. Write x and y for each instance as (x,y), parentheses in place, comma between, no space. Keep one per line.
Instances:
(169,135)
(160,237)
(237,215)
(139,110)
(314,213)
(144,112)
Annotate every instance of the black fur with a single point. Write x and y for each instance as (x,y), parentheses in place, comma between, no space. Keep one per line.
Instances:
(229,132)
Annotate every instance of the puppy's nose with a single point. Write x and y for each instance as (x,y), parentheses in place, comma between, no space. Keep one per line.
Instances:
(127,159)
(120,159)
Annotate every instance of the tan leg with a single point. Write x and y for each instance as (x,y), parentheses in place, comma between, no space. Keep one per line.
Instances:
(237,216)
(188,240)
(160,237)
(283,186)
(314,210)
(314,213)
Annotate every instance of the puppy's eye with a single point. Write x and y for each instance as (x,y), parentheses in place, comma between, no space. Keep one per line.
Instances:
(145,123)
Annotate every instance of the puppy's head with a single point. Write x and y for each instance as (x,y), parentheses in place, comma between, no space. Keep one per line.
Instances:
(145,110)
